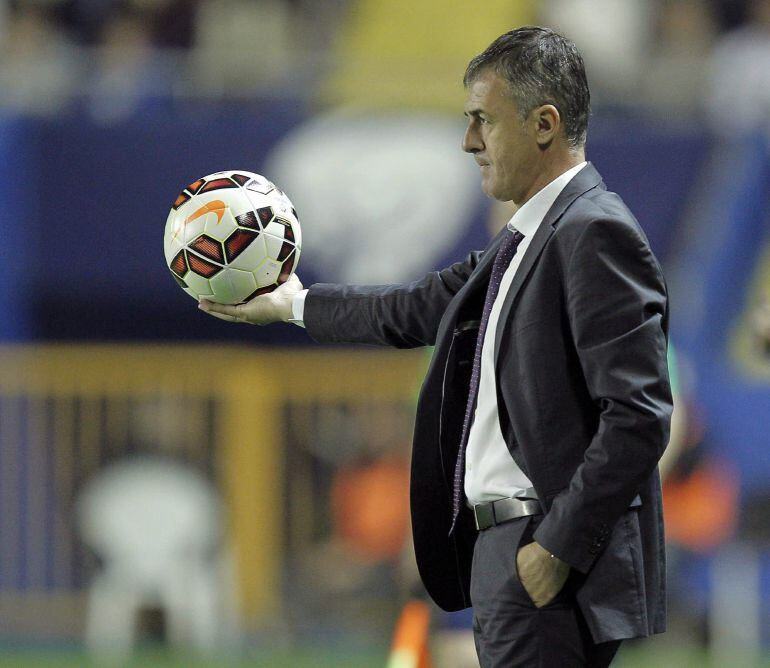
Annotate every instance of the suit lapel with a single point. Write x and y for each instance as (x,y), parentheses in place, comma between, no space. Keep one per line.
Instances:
(479,278)
(536,246)
(484,268)
(586,179)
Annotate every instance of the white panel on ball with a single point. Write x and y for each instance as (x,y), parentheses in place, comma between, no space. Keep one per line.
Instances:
(273,244)
(191,228)
(198,285)
(276,229)
(233,285)
(267,272)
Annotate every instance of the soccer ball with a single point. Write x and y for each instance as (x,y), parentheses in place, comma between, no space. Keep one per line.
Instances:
(231,236)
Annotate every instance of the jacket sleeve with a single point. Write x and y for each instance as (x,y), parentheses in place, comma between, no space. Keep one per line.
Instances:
(404,316)
(617,308)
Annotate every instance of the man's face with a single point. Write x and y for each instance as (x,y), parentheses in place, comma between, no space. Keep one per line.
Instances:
(503,145)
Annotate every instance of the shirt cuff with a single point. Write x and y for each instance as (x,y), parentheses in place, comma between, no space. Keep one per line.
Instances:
(298,308)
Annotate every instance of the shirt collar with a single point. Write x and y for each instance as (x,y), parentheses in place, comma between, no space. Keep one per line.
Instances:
(528,218)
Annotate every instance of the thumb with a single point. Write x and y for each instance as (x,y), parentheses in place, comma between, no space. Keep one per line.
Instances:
(292,284)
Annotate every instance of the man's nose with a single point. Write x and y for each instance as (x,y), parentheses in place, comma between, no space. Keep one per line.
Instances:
(471,140)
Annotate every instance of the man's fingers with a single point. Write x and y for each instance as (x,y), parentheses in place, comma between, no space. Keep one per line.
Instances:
(260,310)
(221,316)
(295,282)
(292,286)
(221,311)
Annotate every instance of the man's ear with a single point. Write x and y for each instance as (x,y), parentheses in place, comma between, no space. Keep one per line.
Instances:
(547,123)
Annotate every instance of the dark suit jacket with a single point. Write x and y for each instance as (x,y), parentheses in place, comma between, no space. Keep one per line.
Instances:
(583,396)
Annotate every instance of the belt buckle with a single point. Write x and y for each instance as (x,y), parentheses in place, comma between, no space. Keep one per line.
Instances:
(484,514)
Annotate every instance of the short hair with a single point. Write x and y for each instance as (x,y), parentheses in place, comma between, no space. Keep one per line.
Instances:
(541,67)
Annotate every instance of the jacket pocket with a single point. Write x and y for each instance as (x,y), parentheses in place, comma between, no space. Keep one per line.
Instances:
(612,597)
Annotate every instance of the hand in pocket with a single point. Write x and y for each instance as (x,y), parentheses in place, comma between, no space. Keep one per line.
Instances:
(541,574)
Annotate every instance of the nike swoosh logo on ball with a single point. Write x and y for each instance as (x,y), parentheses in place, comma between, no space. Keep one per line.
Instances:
(216,206)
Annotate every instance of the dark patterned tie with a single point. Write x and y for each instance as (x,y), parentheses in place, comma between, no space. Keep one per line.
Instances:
(503,258)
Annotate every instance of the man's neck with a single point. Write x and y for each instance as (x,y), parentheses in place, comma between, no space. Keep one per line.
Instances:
(553,169)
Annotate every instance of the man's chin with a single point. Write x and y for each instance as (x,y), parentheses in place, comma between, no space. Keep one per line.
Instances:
(488,188)
(494,194)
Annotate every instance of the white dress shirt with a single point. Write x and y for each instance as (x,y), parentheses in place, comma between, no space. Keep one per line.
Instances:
(490,471)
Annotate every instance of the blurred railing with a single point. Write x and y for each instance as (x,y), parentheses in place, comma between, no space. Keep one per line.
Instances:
(68,410)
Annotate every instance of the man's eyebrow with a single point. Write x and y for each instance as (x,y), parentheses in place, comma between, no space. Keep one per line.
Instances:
(474,112)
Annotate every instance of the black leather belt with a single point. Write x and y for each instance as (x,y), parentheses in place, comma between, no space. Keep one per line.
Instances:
(492,513)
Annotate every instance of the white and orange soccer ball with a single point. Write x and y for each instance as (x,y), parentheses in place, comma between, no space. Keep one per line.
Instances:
(231,236)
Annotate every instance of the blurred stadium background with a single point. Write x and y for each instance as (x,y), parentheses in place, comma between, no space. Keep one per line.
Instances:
(175,490)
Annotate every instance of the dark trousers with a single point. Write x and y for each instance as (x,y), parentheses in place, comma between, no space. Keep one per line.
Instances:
(508,629)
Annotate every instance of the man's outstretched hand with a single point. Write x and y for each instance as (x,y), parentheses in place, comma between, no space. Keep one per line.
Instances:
(275,306)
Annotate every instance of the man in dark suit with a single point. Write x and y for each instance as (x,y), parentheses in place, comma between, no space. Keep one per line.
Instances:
(535,494)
